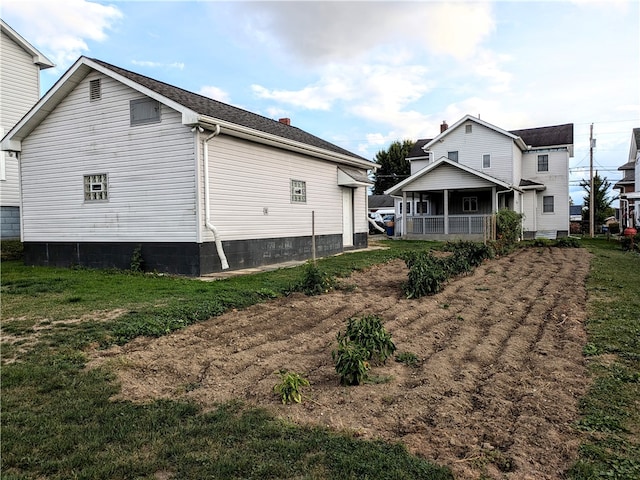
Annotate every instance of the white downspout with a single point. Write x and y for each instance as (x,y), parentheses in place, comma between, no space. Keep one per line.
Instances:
(207,207)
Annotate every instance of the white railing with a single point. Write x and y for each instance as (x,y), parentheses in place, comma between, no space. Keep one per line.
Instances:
(458,224)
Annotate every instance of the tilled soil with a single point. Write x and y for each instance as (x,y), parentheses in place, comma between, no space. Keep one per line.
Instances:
(495,392)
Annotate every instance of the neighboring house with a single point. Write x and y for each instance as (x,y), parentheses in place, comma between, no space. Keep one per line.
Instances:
(383,203)
(460,178)
(628,186)
(20,65)
(113,161)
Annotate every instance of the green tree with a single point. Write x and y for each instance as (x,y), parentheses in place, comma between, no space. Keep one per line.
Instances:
(602,201)
(394,166)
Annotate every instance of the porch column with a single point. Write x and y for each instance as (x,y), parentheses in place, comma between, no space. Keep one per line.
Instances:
(446,212)
(494,200)
(404,215)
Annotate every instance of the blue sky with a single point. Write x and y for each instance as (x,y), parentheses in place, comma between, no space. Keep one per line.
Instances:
(363,74)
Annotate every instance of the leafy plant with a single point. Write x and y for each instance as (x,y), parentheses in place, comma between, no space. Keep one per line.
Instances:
(290,386)
(350,361)
(568,242)
(408,358)
(508,230)
(368,332)
(426,276)
(137,262)
(314,281)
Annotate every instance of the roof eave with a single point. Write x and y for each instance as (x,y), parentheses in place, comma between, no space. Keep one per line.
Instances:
(264,138)
(39,58)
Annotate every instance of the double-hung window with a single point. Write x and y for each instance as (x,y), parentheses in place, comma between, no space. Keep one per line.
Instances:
(547,204)
(543,163)
(486,161)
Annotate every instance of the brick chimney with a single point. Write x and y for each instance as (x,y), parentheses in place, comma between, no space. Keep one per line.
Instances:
(286,121)
(444,126)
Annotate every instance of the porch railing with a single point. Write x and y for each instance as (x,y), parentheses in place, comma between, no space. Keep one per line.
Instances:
(458,224)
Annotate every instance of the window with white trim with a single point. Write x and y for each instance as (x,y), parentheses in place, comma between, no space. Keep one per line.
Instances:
(468,128)
(486,161)
(469,204)
(543,163)
(547,204)
(144,111)
(95,187)
(298,191)
(453,156)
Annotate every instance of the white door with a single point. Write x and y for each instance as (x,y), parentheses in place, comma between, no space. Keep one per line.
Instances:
(347,217)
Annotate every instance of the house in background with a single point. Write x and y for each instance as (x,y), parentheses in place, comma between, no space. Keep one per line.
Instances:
(628,186)
(460,178)
(382,203)
(113,161)
(575,219)
(20,65)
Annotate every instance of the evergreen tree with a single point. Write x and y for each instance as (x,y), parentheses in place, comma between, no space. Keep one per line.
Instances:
(602,202)
(394,166)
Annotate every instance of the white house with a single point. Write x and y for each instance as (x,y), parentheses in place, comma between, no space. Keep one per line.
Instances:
(629,184)
(20,65)
(112,161)
(472,169)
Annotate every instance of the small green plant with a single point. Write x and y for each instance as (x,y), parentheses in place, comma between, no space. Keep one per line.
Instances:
(568,242)
(369,332)
(351,363)
(408,358)
(315,281)
(137,262)
(289,388)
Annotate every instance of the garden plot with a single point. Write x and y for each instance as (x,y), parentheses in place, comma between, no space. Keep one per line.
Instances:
(494,392)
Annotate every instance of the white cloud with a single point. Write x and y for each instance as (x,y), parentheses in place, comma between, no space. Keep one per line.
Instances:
(215,93)
(321,32)
(61,29)
(151,64)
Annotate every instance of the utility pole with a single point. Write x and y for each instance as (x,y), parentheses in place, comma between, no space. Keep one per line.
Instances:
(591,194)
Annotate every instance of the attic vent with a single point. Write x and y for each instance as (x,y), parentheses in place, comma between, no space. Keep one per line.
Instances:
(95,90)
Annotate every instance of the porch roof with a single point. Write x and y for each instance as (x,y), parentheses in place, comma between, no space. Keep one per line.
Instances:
(400,187)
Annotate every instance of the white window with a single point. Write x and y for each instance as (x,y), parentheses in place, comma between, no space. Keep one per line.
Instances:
(298,191)
(95,90)
(486,161)
(95,187)
(468,128)
(469,204)
(543,163)
(453,156)
(144,111)
(547,204)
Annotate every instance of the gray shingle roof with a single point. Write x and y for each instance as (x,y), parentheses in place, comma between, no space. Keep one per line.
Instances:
(636,136)
(416,150)
(222,111)
(546,136)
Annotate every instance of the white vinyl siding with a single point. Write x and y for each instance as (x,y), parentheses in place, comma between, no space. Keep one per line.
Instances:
(247,178)
(471,148)
(446,176)
(19,91)
(150,168)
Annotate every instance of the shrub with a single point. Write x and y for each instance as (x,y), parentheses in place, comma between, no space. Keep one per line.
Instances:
(289,388)
(314,281)
(426,274)
(629,243)
(137,262)
(350,361)
(368,332)
(508,230)
(11,250)
(568,242)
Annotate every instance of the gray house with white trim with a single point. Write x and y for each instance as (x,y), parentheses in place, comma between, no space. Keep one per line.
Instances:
(113,161)
(20,65)
(461,177)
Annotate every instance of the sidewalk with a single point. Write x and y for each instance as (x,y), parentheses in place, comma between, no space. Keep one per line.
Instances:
(275,266)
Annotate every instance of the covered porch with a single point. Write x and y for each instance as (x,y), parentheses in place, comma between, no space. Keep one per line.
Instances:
(467,214)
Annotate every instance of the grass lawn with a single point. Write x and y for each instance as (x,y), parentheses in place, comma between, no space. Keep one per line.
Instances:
(58,421)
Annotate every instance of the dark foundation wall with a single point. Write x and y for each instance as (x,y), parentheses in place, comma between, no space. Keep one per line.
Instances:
(190,259)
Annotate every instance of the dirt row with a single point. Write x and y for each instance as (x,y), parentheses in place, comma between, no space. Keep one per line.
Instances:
(495,392)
